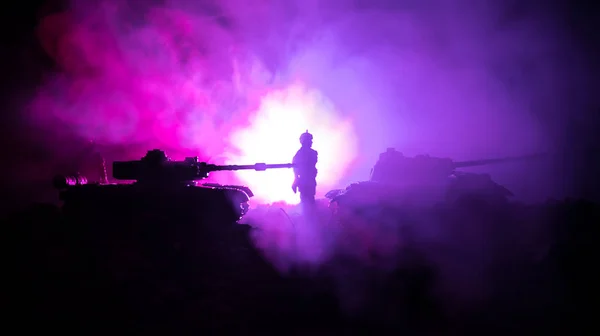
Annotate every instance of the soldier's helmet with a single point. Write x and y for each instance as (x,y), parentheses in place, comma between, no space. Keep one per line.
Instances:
(306,138)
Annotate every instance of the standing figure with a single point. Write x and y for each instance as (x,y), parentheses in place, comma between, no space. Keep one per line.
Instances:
(305,169)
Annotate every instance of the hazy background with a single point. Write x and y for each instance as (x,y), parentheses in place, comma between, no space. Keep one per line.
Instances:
(464,79)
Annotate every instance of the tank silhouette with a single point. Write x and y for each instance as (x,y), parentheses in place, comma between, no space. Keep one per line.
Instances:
(397,179)
(158,181)
(159,233)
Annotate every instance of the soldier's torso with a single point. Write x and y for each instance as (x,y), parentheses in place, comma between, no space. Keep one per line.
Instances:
(306,162)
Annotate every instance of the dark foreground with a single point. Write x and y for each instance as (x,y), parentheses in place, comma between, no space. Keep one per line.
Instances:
(476,269)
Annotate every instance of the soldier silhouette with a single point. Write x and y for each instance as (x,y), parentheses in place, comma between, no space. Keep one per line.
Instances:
(305,170)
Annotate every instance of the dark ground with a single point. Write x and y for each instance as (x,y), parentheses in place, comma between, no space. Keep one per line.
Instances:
(142,273)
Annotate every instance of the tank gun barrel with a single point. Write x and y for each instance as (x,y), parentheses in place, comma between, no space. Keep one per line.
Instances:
(474,163)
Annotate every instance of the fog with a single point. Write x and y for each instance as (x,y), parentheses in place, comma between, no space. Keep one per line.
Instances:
(447,78)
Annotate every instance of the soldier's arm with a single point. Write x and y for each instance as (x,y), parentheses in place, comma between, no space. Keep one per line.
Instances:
(294,162)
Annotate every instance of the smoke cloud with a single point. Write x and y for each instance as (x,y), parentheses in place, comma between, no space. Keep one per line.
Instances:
(447,78)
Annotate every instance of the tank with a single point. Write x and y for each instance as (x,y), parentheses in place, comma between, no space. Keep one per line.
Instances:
(156,181)
(422,180)
(158,237)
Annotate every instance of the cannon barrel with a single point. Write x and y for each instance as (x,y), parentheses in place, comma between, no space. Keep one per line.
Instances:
(256,166)
(474,163)
(186,170)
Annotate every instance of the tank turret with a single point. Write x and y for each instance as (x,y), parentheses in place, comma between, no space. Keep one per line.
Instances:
(395,168)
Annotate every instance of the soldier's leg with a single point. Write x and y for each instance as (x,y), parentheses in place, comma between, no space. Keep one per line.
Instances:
(304,198)
(307,193)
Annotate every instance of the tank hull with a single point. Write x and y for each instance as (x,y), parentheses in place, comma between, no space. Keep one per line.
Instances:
(368,196)
(228,202)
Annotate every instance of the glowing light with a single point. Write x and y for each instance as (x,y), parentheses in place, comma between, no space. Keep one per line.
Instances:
(273,137)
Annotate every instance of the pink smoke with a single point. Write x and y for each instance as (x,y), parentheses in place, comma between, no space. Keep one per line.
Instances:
(181,82)
(237,81)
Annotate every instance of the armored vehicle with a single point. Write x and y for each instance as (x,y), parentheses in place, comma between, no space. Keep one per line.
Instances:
(399,180)
(160,247)
(155,181)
